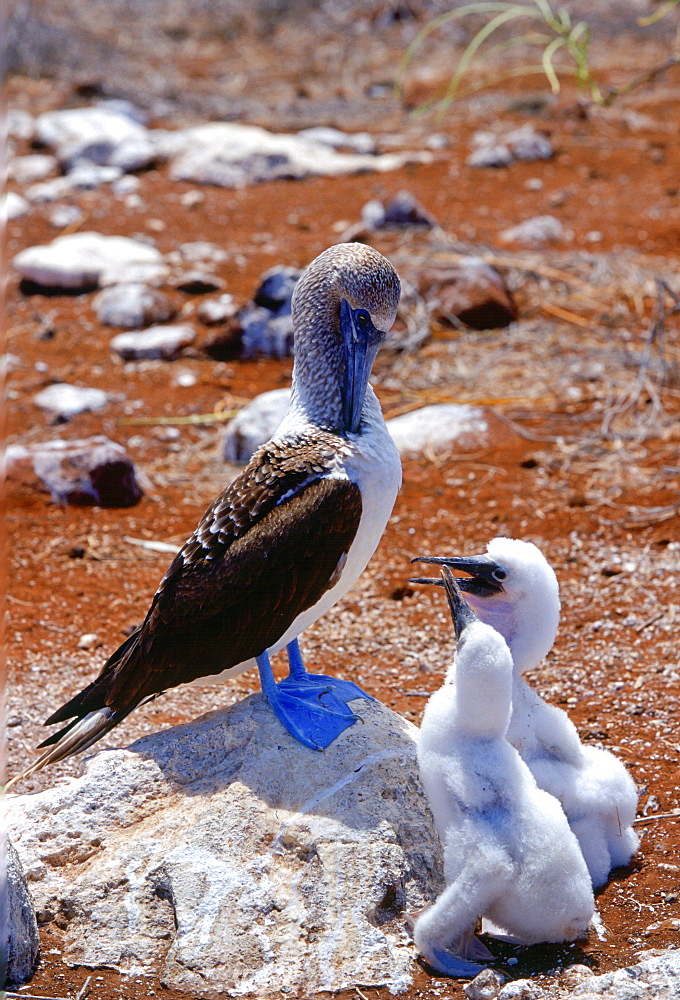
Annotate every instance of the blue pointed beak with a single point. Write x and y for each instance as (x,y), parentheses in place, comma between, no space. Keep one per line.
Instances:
(360,343)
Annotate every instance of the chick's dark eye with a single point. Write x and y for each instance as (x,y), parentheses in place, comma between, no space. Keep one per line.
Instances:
(499,574)
(363,320)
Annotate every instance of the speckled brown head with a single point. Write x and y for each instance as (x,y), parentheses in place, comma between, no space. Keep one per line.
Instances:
(365,280)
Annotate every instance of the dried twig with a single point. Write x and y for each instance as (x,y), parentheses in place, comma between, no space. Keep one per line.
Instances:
(675,814)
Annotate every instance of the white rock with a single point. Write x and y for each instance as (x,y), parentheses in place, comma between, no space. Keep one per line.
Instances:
(21,930)
(77,260)
(158,342)
(13,206)
(212,311)
(93,133)
(65,401)
(494,154)
(437,427)
(236,859)
(485,986)
(654,978)
(360,142)
(63,216)
(31,168)
(232,155)
(134,272)
(521,989)
(132,305)
(535,232)
(255,424)
(19,124)
(86,176)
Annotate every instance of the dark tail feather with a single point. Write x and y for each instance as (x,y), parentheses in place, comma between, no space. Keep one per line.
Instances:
(78,735)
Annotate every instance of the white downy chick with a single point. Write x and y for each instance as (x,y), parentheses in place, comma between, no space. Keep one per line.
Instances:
(513,588)
(509,854)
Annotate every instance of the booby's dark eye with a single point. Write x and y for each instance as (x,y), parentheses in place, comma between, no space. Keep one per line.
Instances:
(499,574)
(362,320)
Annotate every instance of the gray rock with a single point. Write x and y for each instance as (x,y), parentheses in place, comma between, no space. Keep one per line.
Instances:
(21,946)
(657,976)
(31,168)
(91,471)
(77,260)
(158,342)
(254,424)
(472,292)
(265,334)
(13,206)
(86,176)
(493,154)
(276,288)
(132,305)
(535,232)
(232,155)
(238,860)
(197,282)
(432,428)
(93,133)
(527,144)
(64,401)
(214,311)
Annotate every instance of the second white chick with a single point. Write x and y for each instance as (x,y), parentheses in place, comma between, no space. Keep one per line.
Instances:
(509,854)
(513,588)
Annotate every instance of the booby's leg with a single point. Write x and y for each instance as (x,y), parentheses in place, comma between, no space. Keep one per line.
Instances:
(312,714)
(343,690)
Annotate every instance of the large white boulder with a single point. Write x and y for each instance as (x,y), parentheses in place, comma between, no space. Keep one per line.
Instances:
(236,859)
(77,260)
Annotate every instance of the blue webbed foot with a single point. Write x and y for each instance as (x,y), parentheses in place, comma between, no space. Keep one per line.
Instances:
(312,713)
(448,964)
(345,690)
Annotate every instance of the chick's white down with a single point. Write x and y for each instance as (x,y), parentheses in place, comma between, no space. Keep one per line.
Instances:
(596,791)
(509,853)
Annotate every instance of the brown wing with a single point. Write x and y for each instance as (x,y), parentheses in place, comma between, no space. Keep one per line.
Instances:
(250,568)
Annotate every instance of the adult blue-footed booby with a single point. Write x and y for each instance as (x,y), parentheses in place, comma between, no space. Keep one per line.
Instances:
(286,540)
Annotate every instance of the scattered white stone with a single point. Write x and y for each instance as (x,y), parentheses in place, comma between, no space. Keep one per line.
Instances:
(485,986)
(63,216)
(93,133)
(13,206)
(233,155)
(77,260)
(20,931)
(213,311)
(237,860)
(89,640)
(126,184)
(656,977)
(19,124)
(492,150)
(521,989)
(86,176)
(158,342)
(65,401)
(31,168)
(186,379)
(132,305)
(360,142)
(254,424)
(433,428)
(535,232)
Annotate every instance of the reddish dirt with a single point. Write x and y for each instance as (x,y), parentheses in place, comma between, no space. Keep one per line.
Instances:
(602,503)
